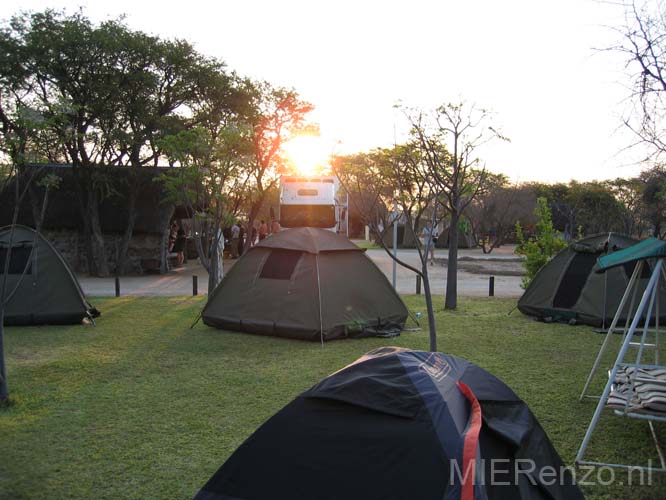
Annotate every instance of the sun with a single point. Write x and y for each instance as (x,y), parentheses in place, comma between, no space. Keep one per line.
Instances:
(308,153)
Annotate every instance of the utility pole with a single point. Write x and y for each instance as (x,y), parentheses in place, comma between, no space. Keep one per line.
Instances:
(395,243)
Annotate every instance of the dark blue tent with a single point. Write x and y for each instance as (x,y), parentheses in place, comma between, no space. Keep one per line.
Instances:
(398,424)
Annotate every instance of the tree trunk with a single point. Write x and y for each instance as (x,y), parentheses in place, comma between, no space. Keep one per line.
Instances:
(97,237)
(254,211)
(204,258)
(132,195)
(432,328)
(451,301)
(166,212)
(4,389)
(87,233)
(35,207)
(215,263)
(92,232)
(212,273)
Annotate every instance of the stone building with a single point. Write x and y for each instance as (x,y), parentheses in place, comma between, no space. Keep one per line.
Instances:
(63,224)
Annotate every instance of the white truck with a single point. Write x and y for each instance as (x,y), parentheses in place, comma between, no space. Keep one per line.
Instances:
(312,201)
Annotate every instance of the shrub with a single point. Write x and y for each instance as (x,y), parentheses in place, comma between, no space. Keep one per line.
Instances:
(545,243)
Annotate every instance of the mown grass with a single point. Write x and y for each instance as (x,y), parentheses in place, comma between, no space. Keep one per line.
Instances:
(141,406)
(368,245)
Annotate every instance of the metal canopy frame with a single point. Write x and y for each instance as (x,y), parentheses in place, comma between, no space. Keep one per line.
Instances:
(649,303)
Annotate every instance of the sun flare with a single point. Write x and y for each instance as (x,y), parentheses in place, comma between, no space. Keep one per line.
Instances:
(308,154)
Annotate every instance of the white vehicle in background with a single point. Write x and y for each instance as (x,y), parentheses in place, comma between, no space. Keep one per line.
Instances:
(313,201)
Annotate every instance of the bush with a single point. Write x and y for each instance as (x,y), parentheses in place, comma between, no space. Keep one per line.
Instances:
(539,249)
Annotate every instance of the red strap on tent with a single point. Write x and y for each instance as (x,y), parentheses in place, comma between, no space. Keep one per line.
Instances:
(471,443)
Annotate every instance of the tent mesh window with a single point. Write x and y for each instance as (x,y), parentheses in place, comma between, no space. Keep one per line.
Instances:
(280,264)
(574,280)
(18,259)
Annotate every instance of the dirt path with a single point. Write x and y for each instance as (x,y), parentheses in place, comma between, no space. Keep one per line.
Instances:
(474,270)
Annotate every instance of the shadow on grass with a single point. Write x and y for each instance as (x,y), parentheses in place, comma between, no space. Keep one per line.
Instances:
(6,404)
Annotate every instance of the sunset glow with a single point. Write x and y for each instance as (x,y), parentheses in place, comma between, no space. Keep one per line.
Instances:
(354,85)
(308,154)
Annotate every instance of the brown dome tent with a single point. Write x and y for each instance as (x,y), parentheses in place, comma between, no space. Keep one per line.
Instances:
(305,283)
(43,289)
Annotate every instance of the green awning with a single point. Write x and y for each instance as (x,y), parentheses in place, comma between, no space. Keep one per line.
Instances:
(646,249)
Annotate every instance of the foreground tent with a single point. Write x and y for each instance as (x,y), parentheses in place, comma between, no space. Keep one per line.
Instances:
(398,424)
(305,283)
(48,292)
(569,288)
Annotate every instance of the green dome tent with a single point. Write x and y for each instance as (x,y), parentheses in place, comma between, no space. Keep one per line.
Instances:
(305,283)
(569,288)
(47,292)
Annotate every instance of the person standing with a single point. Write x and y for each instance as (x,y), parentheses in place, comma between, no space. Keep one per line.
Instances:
(241,239)
(429,234)
(263,230)
(173,234)
(235,238)
(179,247)
(275,226)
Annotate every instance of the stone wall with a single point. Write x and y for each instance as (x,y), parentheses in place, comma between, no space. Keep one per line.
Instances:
(143,254)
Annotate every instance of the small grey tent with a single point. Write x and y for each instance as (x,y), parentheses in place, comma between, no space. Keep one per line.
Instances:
(570,288)
(47,292)
(305,283)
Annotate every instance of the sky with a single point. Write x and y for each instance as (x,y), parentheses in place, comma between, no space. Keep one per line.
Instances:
(538,65)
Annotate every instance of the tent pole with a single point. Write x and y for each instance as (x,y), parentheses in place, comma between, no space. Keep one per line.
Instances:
(603,300)
(656,335)
(630,288)
(321,322)
(631,309)
(646,325)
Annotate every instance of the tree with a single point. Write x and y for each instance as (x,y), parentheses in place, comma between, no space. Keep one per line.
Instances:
(583,207)
(643,43)
(449,139)
(215,159)
(213,170)
(11,178)
(374,183)
(595,207)
(368,182)
(654,199)
(274,115)
(629,193)
(397,176)
(19,124)
(563,215)
(539,248)
(109,94)
(493,214)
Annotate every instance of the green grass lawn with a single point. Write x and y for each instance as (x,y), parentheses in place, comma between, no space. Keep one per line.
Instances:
(368,245)
(141,406)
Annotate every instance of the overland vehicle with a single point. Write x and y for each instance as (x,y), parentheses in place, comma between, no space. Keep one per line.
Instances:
(312,201)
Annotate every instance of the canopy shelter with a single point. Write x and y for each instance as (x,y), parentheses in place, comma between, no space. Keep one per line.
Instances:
(646,249)
(306,283)
(41,288)
(398,423)
(634,389)
(569,287)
